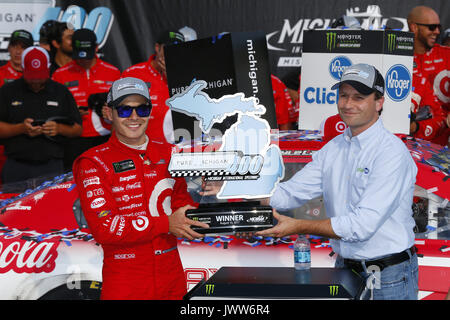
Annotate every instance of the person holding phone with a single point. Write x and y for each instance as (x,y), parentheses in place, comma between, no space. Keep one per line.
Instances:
(34,112)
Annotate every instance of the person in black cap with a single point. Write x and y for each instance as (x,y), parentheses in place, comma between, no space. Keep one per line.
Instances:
(46,34)
(366,177)
(61,45)
(88,78)
(12,70)
(153,72)
(18,42)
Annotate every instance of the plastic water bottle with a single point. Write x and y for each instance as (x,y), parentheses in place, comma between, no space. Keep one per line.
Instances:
(302,253)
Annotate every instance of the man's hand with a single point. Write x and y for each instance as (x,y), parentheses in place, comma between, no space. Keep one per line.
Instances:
(31,131)
(285,226)
(180,226)
(210,188)
(50,128)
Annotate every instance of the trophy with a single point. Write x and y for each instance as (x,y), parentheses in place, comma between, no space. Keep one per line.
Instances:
(237,155)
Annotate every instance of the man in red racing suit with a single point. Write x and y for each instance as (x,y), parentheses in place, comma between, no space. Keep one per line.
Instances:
(133,207)
(435,67)
(431,60)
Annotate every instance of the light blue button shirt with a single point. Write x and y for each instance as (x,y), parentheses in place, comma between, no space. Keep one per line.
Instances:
(367,183)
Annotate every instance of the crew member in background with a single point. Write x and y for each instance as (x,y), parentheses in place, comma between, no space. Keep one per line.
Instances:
(18,42)
(134,208)
(34,112)
(283,103)
(153,72)
(61,45)
(85,76)
(431,60)
(12,70)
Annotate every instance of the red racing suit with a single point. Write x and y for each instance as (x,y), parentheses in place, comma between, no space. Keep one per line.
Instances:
(435,66)
(126,196)
(160,124)
(422,96)
(332,127)
(282,100)
(8,73)
(296,110)
(82,83)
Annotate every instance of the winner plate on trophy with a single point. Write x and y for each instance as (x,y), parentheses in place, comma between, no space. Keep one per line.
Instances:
(232,217)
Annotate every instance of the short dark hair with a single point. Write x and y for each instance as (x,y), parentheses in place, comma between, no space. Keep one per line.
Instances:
(59,29)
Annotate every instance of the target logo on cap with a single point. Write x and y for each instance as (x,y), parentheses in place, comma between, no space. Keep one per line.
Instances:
(35,63)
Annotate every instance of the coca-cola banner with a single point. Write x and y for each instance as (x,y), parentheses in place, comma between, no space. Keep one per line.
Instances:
(126,29)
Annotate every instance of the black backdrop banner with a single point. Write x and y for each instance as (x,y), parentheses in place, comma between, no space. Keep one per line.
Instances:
(127,28)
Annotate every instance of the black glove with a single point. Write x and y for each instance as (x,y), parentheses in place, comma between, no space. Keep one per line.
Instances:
(96,101)
(424,113)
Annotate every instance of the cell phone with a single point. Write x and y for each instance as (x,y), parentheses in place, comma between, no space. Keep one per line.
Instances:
(37,123)
(82,108)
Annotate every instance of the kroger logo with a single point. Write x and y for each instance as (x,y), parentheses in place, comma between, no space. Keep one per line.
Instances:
(338,65)
(398,82)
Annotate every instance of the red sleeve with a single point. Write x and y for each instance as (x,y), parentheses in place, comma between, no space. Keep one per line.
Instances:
(101,211)
(2,76)
(296,108)
(281,100)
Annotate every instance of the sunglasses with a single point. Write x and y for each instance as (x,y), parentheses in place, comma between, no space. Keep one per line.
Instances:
(125,111)
(431,27)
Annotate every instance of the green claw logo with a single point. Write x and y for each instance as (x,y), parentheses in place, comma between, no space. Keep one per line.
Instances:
(391,42)
(334,290)
(331,40)
(209,289)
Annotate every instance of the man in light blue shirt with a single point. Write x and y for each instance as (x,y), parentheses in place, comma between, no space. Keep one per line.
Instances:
(366,177)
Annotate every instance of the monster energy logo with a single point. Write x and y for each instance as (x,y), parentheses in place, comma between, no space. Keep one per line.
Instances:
(334,290)
(331,40)
(209,289)
(391,41)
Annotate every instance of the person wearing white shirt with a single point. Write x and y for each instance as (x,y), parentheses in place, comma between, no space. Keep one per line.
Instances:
(366,177)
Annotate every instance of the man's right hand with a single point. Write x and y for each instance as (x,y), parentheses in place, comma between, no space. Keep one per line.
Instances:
(180,226)
(30,130)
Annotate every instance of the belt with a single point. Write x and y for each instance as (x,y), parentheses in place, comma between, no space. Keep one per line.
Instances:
(393,259)
(158,252)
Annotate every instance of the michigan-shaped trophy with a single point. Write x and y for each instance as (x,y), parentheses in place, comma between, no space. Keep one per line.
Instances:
(234,151)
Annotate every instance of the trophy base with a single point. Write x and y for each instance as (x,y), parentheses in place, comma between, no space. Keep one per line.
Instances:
(231,217)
